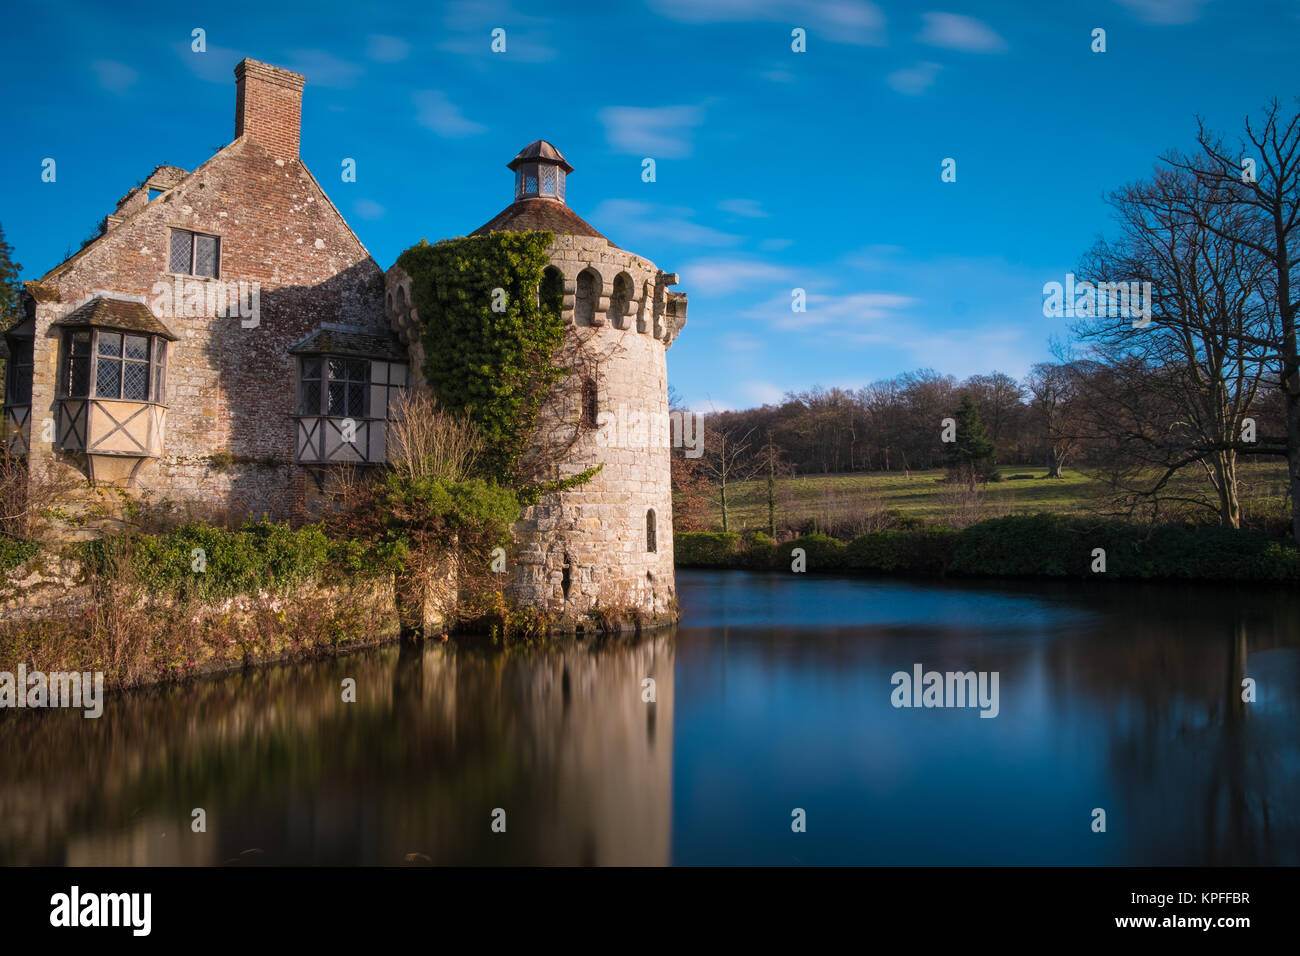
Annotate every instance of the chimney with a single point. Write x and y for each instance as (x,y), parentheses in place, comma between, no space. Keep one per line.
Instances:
(268,107)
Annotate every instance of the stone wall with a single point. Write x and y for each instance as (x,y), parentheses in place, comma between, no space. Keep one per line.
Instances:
(585,550)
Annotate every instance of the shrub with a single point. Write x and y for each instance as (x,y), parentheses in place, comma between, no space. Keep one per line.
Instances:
(924,551)
(14,551)
(1045,545)
(705,549)
(758,552)
(824,553)
(261,555)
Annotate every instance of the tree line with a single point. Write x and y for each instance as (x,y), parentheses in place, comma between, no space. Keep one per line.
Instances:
(1204,375)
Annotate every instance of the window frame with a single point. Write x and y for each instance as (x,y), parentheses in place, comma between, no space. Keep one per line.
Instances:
(18,347)
(324,379)
(194,252)
(155,364)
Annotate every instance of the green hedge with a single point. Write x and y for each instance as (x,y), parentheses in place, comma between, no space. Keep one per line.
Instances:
(260,556)
(1041,545)
(1046,545)
(821,552)
(924,551)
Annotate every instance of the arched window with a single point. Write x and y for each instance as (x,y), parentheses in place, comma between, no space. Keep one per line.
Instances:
(619,299)
(584,307)
(550,295)
(651,542)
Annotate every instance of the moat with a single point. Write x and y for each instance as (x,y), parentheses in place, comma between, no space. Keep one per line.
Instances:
(774,693)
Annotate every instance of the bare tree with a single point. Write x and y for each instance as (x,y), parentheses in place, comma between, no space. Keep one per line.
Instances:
(1053,389)
(1261,179)
(1183,376)
(728,459)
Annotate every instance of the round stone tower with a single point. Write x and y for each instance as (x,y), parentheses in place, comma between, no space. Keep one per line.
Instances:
(604,546)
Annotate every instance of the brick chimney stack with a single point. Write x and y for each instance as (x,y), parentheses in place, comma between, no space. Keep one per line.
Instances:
(268,107)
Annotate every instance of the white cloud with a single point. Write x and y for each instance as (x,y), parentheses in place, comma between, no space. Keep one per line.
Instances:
(775,245)
(845,311)
(217,65)
(956,32)
(322,68)
(368,209)
(746,208)
(723,276)
(662,132)
(739,342)
(471,22)
(777,76)
(914,80)
(434,111)
(114,76)
(763,393)
(386,49)
(643,220)
(855,22)
(1166,12)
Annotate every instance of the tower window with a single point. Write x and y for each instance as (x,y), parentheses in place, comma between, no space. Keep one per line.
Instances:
(590,403)
(651,541)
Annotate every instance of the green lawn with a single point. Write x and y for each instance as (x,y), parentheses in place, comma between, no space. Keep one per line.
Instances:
(925,494)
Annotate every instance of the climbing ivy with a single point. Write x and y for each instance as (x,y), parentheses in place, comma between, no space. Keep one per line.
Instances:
(491,329)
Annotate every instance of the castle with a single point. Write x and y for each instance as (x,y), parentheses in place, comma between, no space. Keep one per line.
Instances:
(227,341)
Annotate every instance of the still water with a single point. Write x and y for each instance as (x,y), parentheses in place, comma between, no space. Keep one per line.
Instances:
(773,695)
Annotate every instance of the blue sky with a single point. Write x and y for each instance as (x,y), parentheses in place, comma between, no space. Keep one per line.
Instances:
(775,169)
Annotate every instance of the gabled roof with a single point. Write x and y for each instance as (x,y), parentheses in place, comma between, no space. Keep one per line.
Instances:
(180,178)
(117,314)
(375,345)
(539,215)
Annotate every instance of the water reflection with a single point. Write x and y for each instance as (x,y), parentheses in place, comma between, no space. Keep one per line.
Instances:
(437,739)
(773,694)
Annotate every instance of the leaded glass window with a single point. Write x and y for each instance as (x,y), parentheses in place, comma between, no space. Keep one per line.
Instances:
(120,365)
(18,381)
(333,386)
(77,381)
(194,254)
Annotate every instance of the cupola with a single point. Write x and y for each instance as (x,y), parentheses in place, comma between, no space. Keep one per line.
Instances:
(539,172)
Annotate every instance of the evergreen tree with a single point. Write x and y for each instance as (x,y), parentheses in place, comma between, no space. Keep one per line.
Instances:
(972,456)
(10,286)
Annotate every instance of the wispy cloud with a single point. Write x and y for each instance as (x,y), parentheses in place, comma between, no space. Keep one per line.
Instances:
(368,209)
(746,208)
(1166,12)
(855,22)
(322,68)
(724,276)
(657,131)
(434,111)
(647,221)
(762,392)
(952,31)
(914,80)
(114,76)
(386,49)
(470,23)
(216,65)
(847,311)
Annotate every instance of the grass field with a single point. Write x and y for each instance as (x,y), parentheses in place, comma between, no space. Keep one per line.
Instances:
(829,499)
